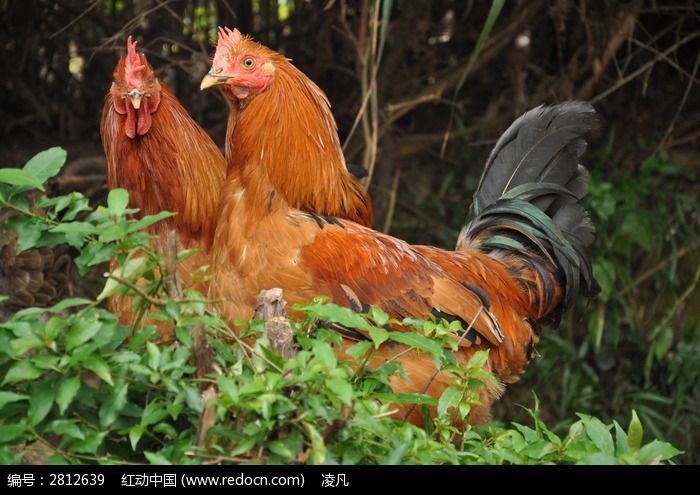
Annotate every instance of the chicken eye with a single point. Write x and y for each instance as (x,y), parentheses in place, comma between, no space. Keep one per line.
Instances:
(248,63)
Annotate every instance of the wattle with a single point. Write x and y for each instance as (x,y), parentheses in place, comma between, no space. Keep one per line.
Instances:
(143,120)
(131,120)
(138,122)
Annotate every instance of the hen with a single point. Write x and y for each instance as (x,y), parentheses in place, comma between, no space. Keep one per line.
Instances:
(281,118)
(520,259)
(166,161)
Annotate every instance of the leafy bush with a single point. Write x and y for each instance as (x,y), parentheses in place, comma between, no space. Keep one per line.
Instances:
(78,387)
(637,345)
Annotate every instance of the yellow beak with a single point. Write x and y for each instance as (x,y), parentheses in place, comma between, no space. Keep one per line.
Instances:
(211,80)
(135,98)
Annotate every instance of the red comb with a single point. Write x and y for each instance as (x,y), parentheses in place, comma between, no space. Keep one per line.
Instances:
(228,37)
(228,40)
(134,67)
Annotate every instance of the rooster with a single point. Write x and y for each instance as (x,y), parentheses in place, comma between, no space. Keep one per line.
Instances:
(520,259)
(279,117)
(166,161)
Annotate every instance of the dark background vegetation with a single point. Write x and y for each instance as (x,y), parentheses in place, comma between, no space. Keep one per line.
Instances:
(429,122)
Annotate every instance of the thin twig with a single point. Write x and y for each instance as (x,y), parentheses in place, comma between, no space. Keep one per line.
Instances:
(71,23)
(661,265)
(497,42)
(622,31)
(670,127)
(132,22)
(666,59)
(154,300)
(645,67)
(686,294)
(385,414)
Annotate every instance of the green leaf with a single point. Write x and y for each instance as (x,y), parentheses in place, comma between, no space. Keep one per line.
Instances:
(639,228)
(414,398)
(117,201)
(98,366)
(635,433)
(81,331)
(22,371)
(93,254)
(599,459)
(360,349)
(82,228)
(46,164)
(337,314)
(41,401)
(657,451)
(78,203)
(9,432)
(324,353)
(66,428)
(18,177)
(28,231)
(131,270)
(244,446)
(596,324)
(450,398)
(20,346)
(341,388)
(153,355)
(378,336)
(172,310)
(8,397)
(54,327)
(621,441)
(153,413)
(113,233)
(604,274)
(135,434)
(89,444)
(67,390)
(148,220)
(418,341)
(478,360)
(109,412)
(600,436)
(318,446)
(193,398)
(57,460)
(156,458)
(281,449)
(663,341)
(380,317)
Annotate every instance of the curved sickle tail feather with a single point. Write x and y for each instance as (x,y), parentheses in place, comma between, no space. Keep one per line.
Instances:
(526,208)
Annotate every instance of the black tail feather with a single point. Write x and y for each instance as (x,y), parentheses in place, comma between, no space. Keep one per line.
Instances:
(527,201)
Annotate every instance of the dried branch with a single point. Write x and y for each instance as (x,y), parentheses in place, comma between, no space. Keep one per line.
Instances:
(270,308)
(172,282)
(646,66)
(621,31)
(691,82)
(434,92)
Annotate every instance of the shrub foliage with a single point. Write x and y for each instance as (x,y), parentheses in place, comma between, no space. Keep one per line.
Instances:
(78,387)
